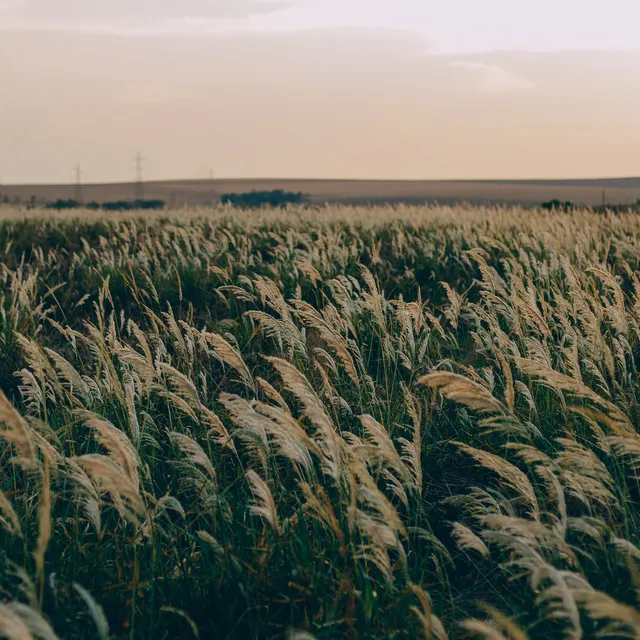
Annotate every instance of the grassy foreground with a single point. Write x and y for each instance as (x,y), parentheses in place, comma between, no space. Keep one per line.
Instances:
(343,423)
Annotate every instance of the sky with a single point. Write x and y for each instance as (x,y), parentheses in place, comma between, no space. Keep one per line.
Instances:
(395,89)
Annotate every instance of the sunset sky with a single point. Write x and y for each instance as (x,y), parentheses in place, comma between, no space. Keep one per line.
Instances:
(408,89)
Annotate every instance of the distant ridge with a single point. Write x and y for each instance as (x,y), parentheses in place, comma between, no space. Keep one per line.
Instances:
(200,192)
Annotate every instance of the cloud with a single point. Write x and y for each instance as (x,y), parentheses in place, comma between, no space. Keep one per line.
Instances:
(495,79)
(125,14)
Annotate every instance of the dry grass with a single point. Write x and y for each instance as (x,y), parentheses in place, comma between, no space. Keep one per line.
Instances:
(384,422)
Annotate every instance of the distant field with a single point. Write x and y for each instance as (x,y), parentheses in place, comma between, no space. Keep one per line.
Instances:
(193,192)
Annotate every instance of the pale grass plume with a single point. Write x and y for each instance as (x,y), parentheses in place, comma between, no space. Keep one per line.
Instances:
(95,611)
(555,491)
(8,517)
(625,547)
(619,422)
(557,599)
(18,621)
(272,393)
(618,313)
(334,341)
(213,544)
(178,402)
(217,430)
(328,440)
(584,475)
(143,367)
(537,536)
(383,446)
(432,628)
(293,441)
(464,391)
(251,427)
(44,520)
(456,302)
(38,362)
(617,619)
(594,418)
(284,332)
(412,449)
(627,450)
(230,356)
(193,453)
(373,297)
(395,487)
(509,393)
(318,505)
(512,475)
(85,492)
(466,539)
(181,385)
(263,505)
(272,297)
(298,634)
(116,442)
(498,627)
(224,276)
(482,629)
(77,386)
(16,432)
(110,478)
(384,512)
(306,267)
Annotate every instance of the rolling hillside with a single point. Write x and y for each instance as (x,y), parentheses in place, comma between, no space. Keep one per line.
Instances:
(198,192)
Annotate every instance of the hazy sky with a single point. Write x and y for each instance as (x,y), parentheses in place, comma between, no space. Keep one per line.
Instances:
(319,88)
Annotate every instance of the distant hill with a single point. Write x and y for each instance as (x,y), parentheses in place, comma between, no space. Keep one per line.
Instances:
(194,192)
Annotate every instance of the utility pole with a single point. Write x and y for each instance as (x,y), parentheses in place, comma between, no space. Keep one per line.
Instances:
(78,188)
(214,193)
(139,188)
(604,199)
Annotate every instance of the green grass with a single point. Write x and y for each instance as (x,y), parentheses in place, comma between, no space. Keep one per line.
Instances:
(367,423)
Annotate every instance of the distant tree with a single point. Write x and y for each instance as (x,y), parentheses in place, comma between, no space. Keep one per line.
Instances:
(257,199)
(148,204)
(119,205)
(124,205)
(558,205)
(61,204)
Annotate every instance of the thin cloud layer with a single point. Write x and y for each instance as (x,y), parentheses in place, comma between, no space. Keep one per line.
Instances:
(341,103)
(127,13)
(492,78)
(449,26)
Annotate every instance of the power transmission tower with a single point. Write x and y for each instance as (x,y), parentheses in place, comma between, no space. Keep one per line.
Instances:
(139,189)
(78,188)
(214,192)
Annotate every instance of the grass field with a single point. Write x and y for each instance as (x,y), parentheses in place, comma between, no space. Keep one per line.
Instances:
(623,191)
(379,423)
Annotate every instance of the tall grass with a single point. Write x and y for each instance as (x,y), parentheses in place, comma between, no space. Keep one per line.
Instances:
(402,422)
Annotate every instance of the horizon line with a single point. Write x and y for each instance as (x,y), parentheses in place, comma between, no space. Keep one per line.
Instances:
(298,179)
